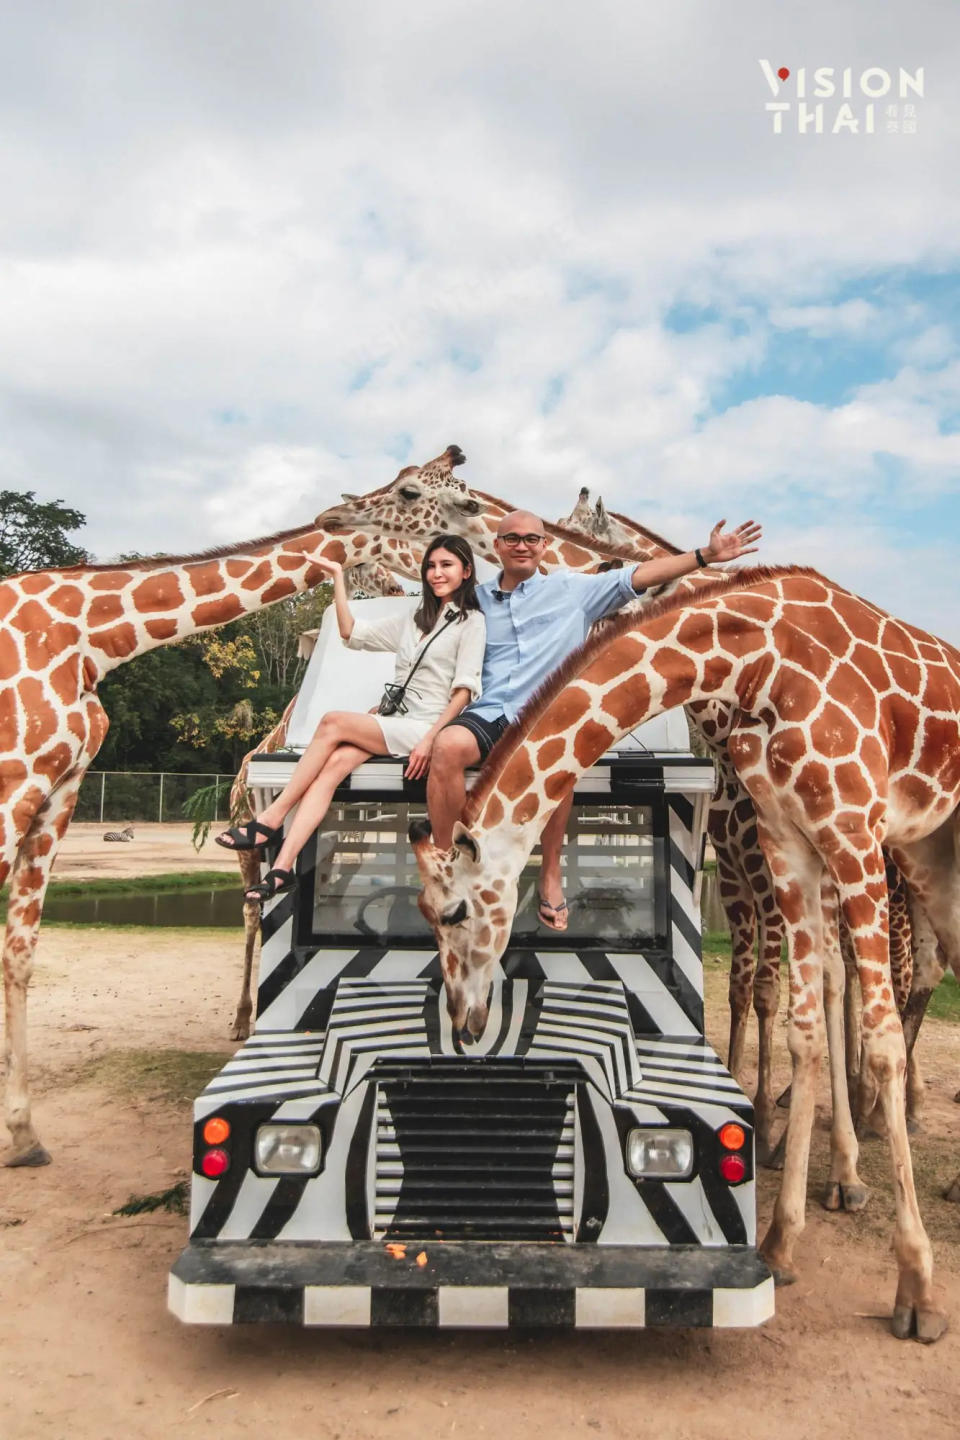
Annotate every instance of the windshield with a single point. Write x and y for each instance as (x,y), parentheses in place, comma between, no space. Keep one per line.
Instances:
(366,882)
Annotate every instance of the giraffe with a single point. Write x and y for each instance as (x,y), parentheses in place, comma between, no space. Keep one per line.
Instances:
(62,631)
(848,736)
(371,580)
(596,520)
(746,891)
(426,500)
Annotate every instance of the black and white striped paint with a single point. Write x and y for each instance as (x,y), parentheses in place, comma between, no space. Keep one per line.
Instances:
(593,1040)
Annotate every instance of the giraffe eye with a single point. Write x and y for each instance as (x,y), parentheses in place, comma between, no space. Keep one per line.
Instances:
(409,493)
(455,917)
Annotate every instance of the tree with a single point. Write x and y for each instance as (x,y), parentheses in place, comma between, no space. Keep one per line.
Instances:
(276,631)
(33,533)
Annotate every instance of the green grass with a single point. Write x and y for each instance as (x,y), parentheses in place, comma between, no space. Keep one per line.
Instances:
(945,1000)
(171,1076)
(176,1201)
(144,884)
(716,944)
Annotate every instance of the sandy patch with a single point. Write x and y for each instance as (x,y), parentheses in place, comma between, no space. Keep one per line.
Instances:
(90,1352)
(154,850)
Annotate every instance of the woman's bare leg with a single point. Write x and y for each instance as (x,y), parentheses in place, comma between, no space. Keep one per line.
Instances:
(316,800)
(340,727)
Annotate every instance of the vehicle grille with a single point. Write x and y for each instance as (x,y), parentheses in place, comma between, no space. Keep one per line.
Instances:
(476,1151)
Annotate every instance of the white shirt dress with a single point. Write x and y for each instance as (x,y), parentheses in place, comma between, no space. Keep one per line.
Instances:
(454,661)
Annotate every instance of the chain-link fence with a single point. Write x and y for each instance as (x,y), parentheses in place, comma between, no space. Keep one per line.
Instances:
(128,795)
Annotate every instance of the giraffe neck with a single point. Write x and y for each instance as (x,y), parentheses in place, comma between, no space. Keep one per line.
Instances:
(700,652)
(579,551)
(123,611)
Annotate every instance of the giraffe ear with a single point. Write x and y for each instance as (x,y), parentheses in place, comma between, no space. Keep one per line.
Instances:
(465,844)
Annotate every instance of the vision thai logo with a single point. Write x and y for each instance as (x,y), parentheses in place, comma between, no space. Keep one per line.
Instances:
(828,101)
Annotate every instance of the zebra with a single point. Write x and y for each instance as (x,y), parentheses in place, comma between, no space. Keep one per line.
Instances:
(126,834)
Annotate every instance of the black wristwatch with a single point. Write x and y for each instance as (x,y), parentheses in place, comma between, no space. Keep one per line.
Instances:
(700,560)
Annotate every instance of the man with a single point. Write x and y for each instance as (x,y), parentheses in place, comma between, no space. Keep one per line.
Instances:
(534,621)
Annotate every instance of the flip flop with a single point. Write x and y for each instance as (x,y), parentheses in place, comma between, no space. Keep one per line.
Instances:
(558,913)
(275,882)
(244,837)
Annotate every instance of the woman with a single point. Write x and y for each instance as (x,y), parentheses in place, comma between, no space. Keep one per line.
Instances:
(448,630)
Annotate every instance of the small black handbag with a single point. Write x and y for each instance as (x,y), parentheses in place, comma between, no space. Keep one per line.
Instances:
(392,702)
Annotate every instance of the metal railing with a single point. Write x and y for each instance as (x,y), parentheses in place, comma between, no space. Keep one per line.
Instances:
(128,795)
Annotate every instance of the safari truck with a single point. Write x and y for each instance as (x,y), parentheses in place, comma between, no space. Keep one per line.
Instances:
(588,1162)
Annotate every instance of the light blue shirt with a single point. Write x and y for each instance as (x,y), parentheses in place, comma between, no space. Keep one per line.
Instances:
(532,629)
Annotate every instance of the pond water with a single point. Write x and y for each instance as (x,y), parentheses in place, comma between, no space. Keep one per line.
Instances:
(157,907)
(224,907)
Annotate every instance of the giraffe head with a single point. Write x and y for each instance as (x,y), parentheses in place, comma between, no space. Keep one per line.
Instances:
(423,500)
(597,521)
(582,516)
(469,898)
(373,579)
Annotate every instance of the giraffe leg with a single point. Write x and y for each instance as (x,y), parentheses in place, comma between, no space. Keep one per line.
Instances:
(737,901)
(742,964)
(851,1014)
(884,1068)
(766,1003)
(929,963)
(797,871)
(916,1095)
(917,965)
(250,861)
(844,1190)
(28,884)
(901,971)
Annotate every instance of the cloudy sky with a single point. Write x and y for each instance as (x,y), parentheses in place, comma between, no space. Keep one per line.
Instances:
(252,254)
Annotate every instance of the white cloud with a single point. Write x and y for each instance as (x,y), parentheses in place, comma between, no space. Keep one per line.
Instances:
(255,253)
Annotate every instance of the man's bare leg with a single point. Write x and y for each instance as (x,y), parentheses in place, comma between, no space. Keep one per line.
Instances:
(551,844)
(454,749)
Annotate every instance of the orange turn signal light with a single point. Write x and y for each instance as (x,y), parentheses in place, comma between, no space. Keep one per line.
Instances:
(217,1130)
(732,1137)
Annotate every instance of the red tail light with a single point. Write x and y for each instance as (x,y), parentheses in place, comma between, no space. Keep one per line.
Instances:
(733,1168)
(215,1162)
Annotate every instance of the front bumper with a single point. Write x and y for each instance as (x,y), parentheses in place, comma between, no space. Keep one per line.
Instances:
(470,1285)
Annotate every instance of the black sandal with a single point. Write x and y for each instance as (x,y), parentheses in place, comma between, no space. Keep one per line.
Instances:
(244,837)
(275,882)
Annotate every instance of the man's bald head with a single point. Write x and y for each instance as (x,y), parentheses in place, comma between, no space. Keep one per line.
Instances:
(520,522)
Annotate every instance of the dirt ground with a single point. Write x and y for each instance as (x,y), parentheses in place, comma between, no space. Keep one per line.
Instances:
(88,1350)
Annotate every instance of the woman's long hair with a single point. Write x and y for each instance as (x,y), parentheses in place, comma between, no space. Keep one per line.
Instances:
(465,598)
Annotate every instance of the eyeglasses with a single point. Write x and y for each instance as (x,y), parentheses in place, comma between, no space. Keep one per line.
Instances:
(513,540)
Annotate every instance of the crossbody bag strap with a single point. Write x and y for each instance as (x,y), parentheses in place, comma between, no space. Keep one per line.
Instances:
(435,636)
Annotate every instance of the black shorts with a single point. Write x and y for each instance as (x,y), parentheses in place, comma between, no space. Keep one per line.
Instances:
(485,732)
